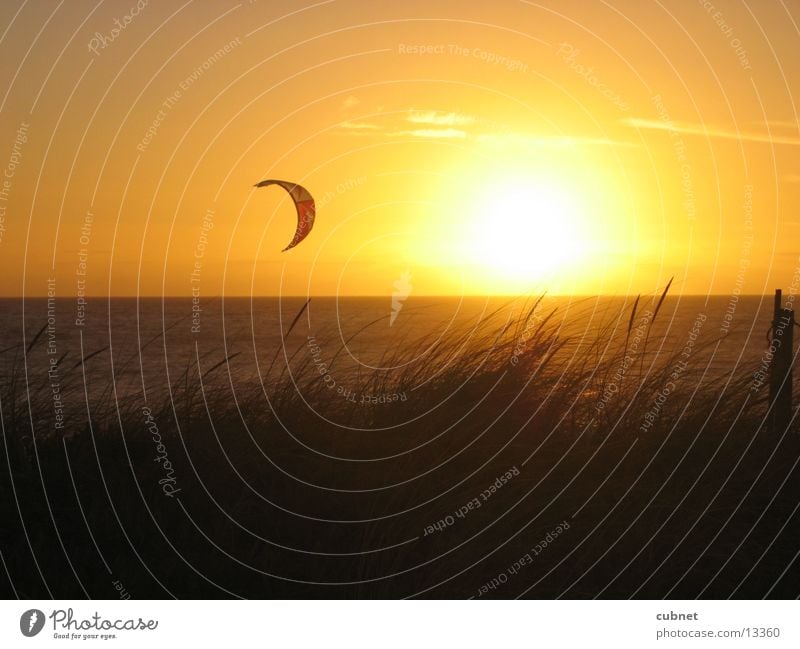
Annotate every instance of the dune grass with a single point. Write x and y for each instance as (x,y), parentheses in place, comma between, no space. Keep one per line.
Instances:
(289,487)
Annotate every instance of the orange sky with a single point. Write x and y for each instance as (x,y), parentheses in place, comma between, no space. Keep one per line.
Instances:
(625,143)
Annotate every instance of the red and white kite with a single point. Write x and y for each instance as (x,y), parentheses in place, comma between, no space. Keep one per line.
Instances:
(303,203)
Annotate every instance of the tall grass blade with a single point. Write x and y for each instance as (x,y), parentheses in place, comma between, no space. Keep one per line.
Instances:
(288,331)
(222,362)
(297,317)
(88,356)
(661,301)
(36,338)
(633,314)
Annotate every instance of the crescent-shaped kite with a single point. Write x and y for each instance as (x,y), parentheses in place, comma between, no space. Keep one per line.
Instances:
(303,203)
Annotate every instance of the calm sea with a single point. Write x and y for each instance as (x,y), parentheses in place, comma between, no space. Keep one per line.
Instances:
(127,346)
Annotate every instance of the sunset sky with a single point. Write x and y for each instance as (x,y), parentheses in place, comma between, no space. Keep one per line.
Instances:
(486,148)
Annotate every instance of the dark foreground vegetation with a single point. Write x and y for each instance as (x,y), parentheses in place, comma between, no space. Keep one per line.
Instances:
(510,459)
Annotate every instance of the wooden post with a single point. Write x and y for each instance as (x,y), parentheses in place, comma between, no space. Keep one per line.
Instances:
(780,380)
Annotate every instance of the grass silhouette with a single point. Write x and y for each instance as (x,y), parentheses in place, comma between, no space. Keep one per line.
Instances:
(289,488)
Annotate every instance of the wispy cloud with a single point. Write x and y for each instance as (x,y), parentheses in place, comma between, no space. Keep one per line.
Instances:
(351,101)
(712,131)
(432,133)
(437,125)
(780,123)
(511,139)
(369,128)
(439,119)
(358,126)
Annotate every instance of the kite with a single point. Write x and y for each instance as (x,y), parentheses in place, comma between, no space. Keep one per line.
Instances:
(303,203)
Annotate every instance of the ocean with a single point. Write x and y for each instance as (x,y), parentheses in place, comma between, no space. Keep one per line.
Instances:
(111,350)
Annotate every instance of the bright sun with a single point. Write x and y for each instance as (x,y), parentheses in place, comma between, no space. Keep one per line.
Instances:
(526,231)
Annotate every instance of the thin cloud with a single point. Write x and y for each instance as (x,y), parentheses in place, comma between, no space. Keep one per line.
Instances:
(358,126)
(560,141)
(439,133)
(351,101)
(439,119)
(442,126)
(780,123)
(694,129)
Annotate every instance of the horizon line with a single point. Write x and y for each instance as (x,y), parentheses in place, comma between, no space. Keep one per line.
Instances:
(376,295)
